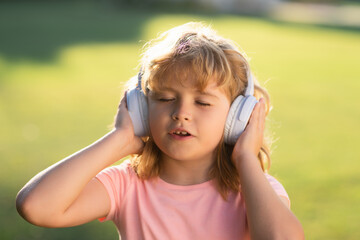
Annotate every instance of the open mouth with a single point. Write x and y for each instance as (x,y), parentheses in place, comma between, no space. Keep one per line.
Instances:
(181,133)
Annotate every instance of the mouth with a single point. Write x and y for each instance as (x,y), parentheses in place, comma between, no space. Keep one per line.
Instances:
(180,133)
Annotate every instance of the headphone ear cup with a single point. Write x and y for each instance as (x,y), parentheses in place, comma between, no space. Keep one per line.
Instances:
(138,110)
(238,117)
(230,120)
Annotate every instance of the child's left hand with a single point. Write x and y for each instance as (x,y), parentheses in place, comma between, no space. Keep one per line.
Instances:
(250,141)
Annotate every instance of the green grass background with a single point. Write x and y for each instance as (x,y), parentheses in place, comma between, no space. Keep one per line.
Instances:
(61,71)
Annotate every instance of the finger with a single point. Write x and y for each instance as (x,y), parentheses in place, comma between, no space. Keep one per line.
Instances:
(253,120)
(123,101)
(256,121)
(125,98)
(255,113)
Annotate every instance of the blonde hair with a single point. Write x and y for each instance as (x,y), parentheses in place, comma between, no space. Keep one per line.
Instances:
(194,51)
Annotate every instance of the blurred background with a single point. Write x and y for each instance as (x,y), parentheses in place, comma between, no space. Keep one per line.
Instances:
(63,63)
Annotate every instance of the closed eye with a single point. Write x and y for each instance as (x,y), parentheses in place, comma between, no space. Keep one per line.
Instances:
(166,99)
(203,104)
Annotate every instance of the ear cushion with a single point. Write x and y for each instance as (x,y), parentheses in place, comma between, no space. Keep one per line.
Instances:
(238,117)
(138,110)
(234,108)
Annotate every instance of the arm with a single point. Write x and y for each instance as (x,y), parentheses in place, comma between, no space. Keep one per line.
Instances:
(268,216)
(66,193)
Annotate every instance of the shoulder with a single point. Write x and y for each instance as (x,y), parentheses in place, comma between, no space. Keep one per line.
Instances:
(119,175)
(278,188)
(273,181)
(117,181)
(123,168)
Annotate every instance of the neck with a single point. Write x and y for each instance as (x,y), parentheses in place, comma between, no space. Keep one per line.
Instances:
(185,172)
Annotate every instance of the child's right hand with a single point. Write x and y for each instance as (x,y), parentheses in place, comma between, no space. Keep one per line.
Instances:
(124,124)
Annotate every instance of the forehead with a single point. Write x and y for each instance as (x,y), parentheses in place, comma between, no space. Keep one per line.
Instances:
(173,84)
(183,75)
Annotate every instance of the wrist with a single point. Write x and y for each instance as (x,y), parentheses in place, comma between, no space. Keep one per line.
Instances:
(127,142)
(243,158)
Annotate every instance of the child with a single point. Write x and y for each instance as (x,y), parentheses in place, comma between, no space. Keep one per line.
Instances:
(192,174)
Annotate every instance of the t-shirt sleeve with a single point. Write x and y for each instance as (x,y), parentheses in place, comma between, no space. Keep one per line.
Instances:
(116,180)
(278,188)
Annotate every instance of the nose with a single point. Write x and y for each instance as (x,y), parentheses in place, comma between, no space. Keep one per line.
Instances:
(182,112)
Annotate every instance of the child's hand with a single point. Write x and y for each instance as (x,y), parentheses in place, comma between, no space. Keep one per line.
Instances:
(250,141)
(124,124)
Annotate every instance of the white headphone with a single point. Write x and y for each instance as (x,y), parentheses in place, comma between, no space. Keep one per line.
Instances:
(237,119)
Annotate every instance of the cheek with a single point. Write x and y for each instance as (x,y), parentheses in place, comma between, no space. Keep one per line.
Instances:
(214,123)
(157,119)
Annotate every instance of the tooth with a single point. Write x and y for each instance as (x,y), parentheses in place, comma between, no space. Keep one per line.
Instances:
(183,133)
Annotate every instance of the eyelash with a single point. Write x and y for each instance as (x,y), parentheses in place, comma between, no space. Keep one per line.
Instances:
(171,99)
(203,104)
(165,99)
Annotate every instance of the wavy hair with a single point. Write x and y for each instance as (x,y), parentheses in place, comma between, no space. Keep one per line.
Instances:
(195,51)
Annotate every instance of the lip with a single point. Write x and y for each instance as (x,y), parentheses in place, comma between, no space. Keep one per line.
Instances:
(178,137)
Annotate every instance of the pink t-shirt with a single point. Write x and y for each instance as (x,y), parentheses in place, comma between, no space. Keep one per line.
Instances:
(155,209)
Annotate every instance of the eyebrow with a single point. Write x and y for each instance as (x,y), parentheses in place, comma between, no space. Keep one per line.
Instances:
(207,94)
